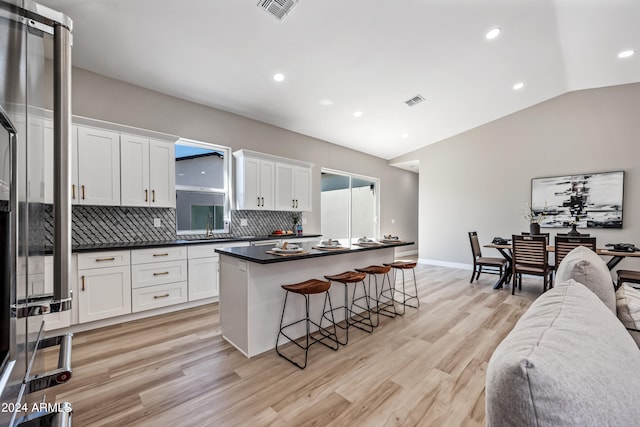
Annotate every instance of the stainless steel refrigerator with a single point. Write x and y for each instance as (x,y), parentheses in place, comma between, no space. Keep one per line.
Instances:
(35,80)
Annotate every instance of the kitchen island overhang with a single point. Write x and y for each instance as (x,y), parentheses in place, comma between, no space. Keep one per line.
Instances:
(251,295)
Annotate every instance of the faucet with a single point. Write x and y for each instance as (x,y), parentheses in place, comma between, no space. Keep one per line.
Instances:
(209,231)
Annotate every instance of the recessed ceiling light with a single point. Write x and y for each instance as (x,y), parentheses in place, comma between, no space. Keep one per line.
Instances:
(278,77)
(493,33)
(626,53)
(357,114)
(202,172)
(326,102)
(518,86)
(405,135)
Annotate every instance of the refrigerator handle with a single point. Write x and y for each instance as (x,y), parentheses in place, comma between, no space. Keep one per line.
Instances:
(62,166)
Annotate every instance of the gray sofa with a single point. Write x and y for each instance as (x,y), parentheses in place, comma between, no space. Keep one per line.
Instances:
(568,361)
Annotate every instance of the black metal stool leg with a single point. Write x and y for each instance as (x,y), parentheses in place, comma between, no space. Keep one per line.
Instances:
(384,309)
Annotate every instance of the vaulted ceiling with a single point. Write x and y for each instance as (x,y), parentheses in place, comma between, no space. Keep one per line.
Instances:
(343,57)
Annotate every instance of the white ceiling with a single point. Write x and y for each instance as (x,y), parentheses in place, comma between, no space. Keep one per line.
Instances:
(362,55)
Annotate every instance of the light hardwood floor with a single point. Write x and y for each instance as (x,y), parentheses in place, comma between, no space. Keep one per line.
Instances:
(425,368)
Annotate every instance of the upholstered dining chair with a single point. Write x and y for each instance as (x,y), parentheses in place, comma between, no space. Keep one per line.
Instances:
(530,257)
(493,265)
(565,244)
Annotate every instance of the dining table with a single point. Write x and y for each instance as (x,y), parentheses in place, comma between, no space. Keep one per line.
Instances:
(506,251)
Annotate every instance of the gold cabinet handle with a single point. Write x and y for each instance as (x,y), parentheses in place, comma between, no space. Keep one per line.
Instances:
(161,274)
(73,191)
(105,259)
(82,283)
(82,191)
(166,254)
(146,195)
(153,196)
(160,296)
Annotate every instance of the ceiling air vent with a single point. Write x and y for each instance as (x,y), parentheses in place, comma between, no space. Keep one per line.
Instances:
(278,8)
(415,100)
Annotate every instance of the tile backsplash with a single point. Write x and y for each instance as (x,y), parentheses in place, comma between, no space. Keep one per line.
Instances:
(114,224)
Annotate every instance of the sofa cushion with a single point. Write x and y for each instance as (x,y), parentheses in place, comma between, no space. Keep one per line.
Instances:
(586,267)
(568,361)
(628,306)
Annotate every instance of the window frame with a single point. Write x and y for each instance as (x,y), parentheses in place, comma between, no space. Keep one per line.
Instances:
(351,177)
(226,190)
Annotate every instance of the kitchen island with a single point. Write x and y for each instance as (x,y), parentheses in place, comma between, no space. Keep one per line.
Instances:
(251,296)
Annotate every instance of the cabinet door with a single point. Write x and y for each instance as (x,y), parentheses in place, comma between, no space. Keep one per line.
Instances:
(247,183)
(98,167)
(284,187)
(134,171)
(203,278)
(104,293)
(162,174)
(267,185)
(302,188)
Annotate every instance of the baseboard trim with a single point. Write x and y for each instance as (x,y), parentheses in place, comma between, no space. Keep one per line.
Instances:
(448,264)
(406,253)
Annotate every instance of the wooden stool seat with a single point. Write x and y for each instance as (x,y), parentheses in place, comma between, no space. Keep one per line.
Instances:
(404,265)
(374,269)
(401,266)
(311,286)
(347,277)
(361,320)
(385,307)
(324,336)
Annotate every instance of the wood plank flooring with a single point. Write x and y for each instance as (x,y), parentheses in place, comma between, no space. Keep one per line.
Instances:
(425,368)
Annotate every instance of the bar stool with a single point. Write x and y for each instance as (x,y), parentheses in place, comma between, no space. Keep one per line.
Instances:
(352,318)
(381,307)
(306,288)
(402,266)
(629,276)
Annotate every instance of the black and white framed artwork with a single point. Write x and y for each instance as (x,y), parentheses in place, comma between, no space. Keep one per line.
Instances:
(592,200)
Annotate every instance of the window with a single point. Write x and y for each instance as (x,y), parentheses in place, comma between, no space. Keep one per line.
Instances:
(349,206)
(202,187)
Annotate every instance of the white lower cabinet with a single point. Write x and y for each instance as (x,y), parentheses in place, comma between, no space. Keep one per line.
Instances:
(155,282)
(105,290)
(203,278)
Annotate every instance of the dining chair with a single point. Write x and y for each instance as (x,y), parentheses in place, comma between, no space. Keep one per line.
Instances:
(565,244)
(526,233)
(493,265)
(530,257)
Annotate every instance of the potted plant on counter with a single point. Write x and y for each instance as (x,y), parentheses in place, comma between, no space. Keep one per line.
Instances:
(296,218)
(534,218)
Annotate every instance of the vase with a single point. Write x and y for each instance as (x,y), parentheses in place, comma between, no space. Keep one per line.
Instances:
(573,231)
(534,228)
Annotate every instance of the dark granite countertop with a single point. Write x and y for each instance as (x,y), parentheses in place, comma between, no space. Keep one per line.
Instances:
(97,247)
(259,255)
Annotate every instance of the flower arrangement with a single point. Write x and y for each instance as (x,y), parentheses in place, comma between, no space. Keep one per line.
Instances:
(532,217)
(296,217)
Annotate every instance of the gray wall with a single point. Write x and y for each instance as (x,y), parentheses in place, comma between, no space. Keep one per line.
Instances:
(480,180)
(98,97)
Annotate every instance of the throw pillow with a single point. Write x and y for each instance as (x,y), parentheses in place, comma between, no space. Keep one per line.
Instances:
(628,306)
(586,267)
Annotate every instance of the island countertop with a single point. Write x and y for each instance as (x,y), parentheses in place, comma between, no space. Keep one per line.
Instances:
(259,254)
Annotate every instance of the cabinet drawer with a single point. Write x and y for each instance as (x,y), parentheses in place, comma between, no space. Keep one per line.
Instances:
(103,259)
(202,251)
(158,296)
(158,273)
(173,253)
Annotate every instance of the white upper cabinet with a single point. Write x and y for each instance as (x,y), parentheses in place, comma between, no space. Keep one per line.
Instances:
(162,174)
(147,172)
(134,170)
(293,187)
(98,167)
(269,182)
(255,179)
